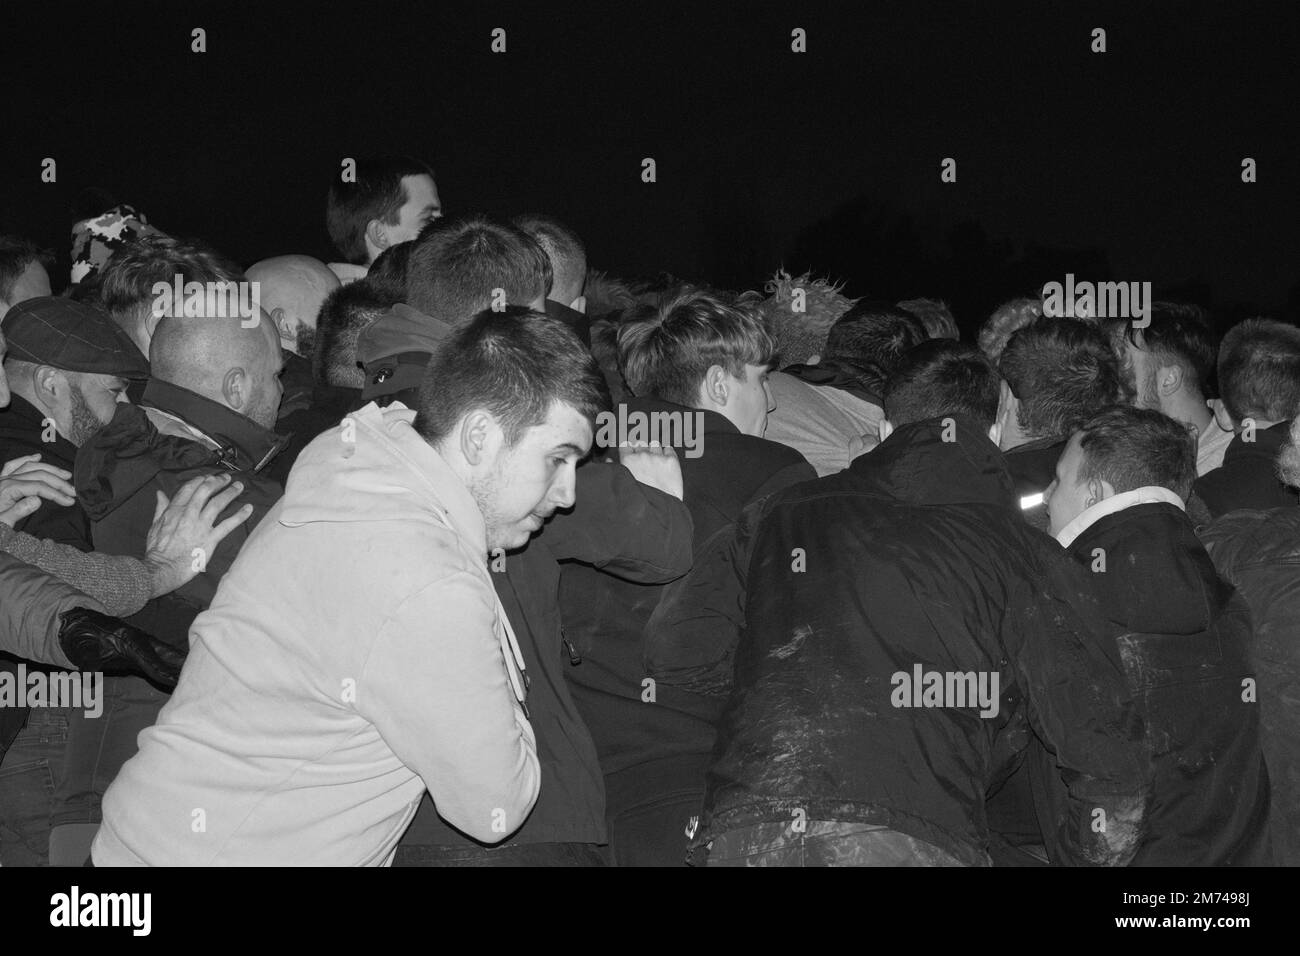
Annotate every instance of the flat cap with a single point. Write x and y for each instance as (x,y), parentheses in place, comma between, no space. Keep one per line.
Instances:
(73,336)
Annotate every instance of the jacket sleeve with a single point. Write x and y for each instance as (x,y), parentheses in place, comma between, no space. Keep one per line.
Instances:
(691,637)
(1083,711)
(120,583)
(30,609)
(622,527)
(436,688)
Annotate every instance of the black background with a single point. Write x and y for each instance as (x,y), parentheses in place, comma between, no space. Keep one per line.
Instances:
(1123,165)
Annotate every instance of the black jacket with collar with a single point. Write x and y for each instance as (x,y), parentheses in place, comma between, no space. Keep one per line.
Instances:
(915,555)
(665,745)
(1185,638)
(1247,479)
(118,472)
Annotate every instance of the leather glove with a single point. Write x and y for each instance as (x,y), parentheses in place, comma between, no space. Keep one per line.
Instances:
(96,642)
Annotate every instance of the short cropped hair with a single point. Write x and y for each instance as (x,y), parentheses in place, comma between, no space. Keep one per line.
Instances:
(515,364)
(1061,371)
(935,316)
(1259,370)
(942,377)
(344,315)
(665,350)
(873,334)
(377,193)
(1182,336)
(125,284)
(563,247)
(387,274)
(1138,447)
(16,255)
(456,264)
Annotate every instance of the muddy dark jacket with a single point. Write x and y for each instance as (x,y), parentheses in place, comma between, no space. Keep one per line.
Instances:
(643,747)
(1248,479)
(1259,553)
(915,555)
(1184,637)
(627,529)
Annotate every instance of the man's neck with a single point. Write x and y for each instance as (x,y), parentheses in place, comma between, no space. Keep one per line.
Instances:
(1188,407)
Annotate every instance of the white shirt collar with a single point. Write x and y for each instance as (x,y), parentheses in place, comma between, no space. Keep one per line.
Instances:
(1150,494)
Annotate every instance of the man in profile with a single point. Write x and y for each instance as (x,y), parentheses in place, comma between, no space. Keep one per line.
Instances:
(311,718)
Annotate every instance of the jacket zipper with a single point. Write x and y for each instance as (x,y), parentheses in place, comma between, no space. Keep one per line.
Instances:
(574,657)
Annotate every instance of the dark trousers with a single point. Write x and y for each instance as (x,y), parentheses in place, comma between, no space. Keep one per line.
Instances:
(512,854)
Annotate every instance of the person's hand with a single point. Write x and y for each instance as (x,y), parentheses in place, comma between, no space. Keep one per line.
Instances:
(185,532)
(654,466)
(26,481)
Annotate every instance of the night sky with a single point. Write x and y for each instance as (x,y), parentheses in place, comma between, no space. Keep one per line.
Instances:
(1122,165)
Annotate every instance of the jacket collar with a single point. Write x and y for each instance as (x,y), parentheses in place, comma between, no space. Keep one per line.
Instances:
(845,376)
(28,421)
(1267,442)
(242,443)
(575,320)
(1151,494)
(940,461)
(714,422)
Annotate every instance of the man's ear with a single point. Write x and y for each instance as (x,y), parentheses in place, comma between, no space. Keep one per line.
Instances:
(475,437)
(579,304)
(1169,379)
(886,428)
(287,328)
(377,234)
(50,384)
(1099,489)
(714,387)
(1221,415)
(234,388)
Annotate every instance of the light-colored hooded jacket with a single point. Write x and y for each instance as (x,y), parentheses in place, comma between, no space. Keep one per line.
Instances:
(355,655)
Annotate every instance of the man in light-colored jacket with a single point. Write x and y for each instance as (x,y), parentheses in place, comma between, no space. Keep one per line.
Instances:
(356,654)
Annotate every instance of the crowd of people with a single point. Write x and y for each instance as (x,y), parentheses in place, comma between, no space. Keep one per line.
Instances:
(456,552)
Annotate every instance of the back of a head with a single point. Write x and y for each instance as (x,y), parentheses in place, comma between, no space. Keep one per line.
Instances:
(1259,371)
(566,252)
(298,284)
(376,193)
(343,316)
(456,265)
(1006,320)
(665,350)
(387,274)
(1135,448)
(939,378)
(515,364)
(935,316)
(873,334)
(16,256)
(1061,371)
(1180,335)
(126,283)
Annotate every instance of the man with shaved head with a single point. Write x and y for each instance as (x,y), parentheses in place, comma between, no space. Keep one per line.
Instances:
(291,290)
(209,409)
(565,300)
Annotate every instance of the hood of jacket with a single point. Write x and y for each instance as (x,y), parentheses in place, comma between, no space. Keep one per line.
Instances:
(858,380)
(941,461)
(373,466)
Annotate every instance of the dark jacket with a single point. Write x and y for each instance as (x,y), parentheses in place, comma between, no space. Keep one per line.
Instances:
(327,406)
(21,429)
(861,382)
(1033,468)
(915,556)
(579,323)
(652,749)
(1248,479)
(1185,638)
(627,529)
(1258,552)
(119,470)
